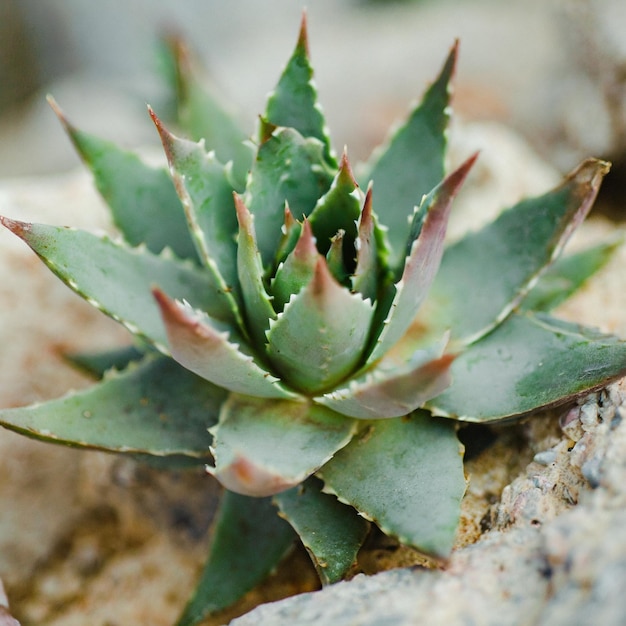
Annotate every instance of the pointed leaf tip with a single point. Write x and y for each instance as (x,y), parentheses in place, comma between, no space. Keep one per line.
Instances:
(303,36)
(247,479)
(15,226)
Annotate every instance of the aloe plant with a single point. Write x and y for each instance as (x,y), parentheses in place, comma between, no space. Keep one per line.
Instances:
(302,331)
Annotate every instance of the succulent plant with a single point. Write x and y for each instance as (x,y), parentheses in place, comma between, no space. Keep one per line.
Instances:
(302,334)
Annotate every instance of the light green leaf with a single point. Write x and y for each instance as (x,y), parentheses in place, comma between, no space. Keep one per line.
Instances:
(288,168)
(262,447)
(248,542)
(566,275)
(406,475)
(98,363)
(294,103)
(390,390)
(424,251)
(258,306)
(485,275)
(367,273)
(207,198)
(412,162)
(155,407)
(297,270)
(202,115)
(142,199)
(338,210)
(319,337)
(331,532)
(527,363)
(214,352)
(118,280)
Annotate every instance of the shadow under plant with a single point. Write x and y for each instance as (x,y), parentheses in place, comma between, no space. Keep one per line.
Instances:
(302,331)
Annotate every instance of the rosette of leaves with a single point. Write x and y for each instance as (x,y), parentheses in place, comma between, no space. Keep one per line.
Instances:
(301,331)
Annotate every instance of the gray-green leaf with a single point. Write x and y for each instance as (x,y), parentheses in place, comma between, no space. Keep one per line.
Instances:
(331,532)
(406,475)
(527,363)
(156,407)
(249,540)
(262,447)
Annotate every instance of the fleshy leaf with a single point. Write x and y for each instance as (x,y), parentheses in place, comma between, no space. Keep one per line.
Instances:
(367,274)
(566,275)
(202,116)
(258,307)
(248,542)
(142,199)
(405,475)
(527,363)
(485,275)
(392,391)
(207,198)
(335,258)
(117,279)
(319,337)
(288,168)
(297,270)
(155,407)
(294,103)
(262,447)
(337,210)
(422,262)
(98,363)
(412,163)
(290,232)
(214,352)
(331,532)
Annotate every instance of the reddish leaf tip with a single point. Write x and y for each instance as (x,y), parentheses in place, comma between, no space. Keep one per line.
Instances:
(243,213)
(303,37)
(305,247)
(15,226)
(346,174)
(245,478)
(58,111)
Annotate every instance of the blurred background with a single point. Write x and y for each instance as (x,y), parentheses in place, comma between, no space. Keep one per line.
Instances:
(553,70)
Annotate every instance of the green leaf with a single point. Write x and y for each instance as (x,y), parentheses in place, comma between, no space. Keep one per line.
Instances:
(406,475)
(262,446)
(527,363)
(338,210)
(207,197)
(425,249)
(566,275)
(485,275)
(390,390)
(155,407)
(249,540)
(335,259)
(118,280)
(331,532)
(142,199)
(288,169)
(206,348)
(98,363)
(202,115)
(293,103)
(258,306)
(367,274)
(412,163)
(297,270)
(319,337)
